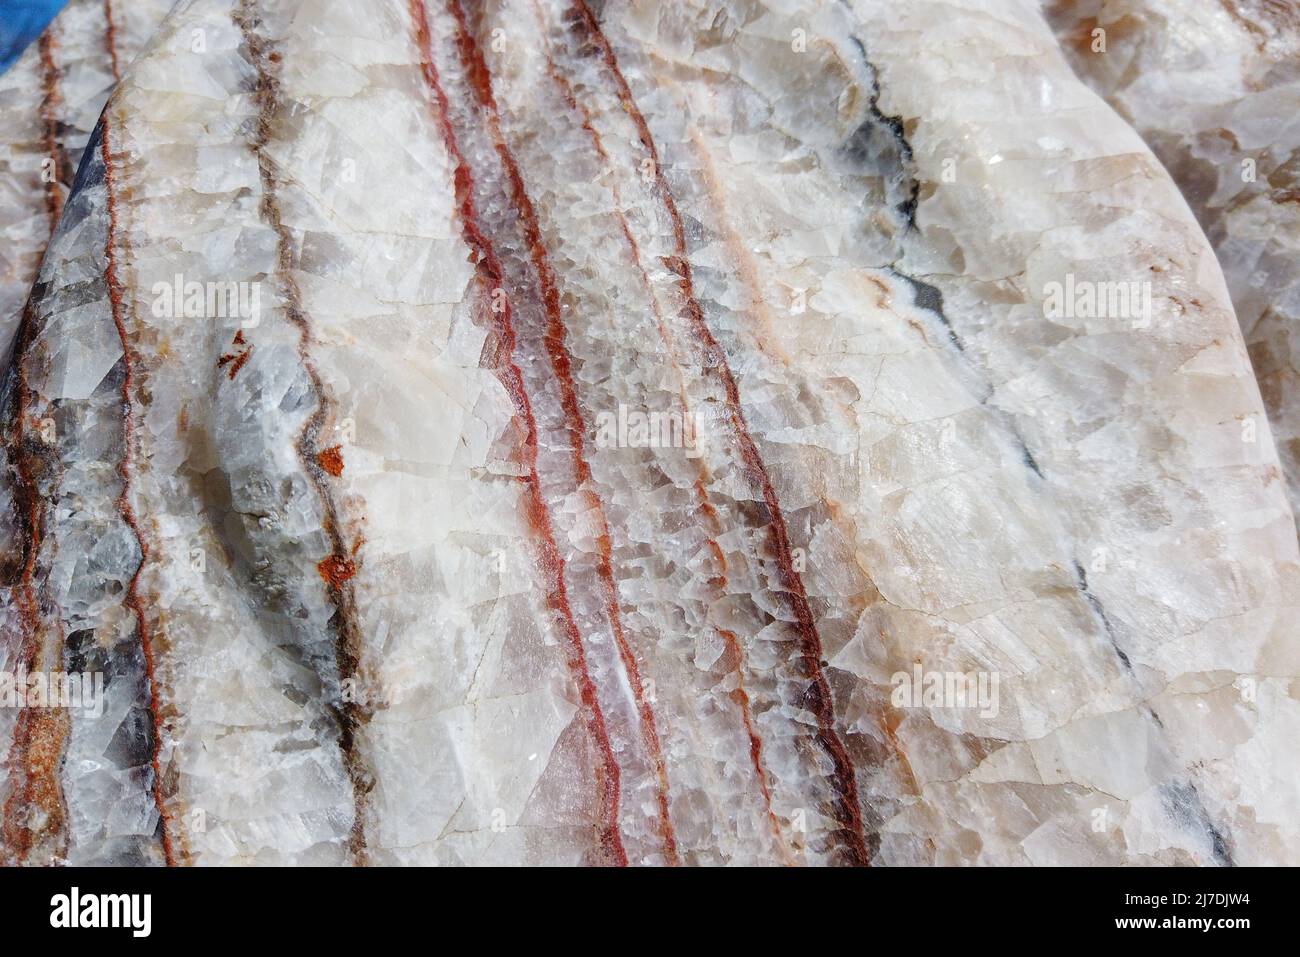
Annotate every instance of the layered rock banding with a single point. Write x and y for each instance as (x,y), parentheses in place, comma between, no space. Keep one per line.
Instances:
(539,432)
(50,100)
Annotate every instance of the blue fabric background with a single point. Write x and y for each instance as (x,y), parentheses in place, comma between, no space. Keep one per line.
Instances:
(21,22)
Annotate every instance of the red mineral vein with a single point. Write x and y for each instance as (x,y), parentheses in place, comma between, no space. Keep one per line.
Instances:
(50,129)
(37,805)
(491,276)
(714,361)
(755,740)
(124,507)
(700,487)
(36,752)
(562,362)
(336,569)
(110,40)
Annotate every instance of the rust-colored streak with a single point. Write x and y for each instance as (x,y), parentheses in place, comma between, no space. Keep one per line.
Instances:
(714,362)
(36,751)
(719,558)
(110,40)
(234,361)
(701,490)
(337,570)
(490,276)
(331,460)
(562,363)
(125,509)
(50,100)
(239,363)
(37,806)
(755,742)
(35,755)
(709,511)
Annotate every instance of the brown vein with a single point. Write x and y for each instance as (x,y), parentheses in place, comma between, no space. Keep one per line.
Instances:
(490,275)
(50,100)
(338,568)
(713,360)
(561,362)
(35,806)
(110,40)
(700,487)
(124,506)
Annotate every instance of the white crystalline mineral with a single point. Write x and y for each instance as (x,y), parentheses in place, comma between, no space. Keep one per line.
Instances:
(1215,90)
(534,432)
(49,102)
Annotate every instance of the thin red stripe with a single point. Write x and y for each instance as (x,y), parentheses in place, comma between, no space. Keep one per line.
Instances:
(561,361)
(115,292)
(33,781)
(755,741)
(701,490)
(338,568)
(491,275)
(818,695)
(50,128)
(110,40)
